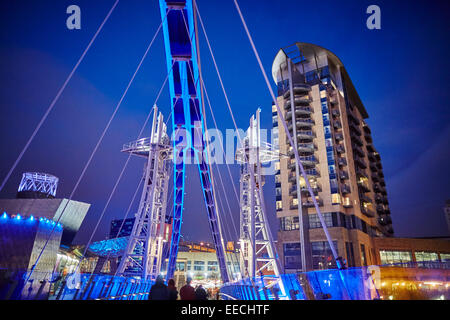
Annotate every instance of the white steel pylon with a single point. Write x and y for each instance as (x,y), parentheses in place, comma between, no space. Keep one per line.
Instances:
(143,255)
(258,252)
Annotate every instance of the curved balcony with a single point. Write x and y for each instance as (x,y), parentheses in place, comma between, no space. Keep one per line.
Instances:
(364,198)
(339,136)
(363,187)
(304,101)
(305,135)
(337,124)
(380,209)
(360,162)
(354,128)
(302,124)
(298,88)
(335,113)
(345,189)
(340,148)
(375,178)
(357,150)
(356,139)
(360,173)
(342,162)
(310,203)
(299,112)
(343,175)
(367,212)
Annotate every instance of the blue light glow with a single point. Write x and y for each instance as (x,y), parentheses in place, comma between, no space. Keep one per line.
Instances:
(4,215)
(18,217)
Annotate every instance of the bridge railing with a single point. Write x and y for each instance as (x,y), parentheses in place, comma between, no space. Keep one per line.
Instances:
(56,286)
(410,280)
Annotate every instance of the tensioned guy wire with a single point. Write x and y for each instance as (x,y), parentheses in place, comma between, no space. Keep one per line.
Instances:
(288,134)
(96,148)
(60,91)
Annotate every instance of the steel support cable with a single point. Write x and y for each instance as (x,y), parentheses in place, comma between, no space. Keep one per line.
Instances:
(119,178)
(227,231)
(229,211)
(123,221)
(207,144)
(221,143)
(126,163)
(291,141)
(227,100)
(220,80)
(58,94)
(96,148)
(218,73)
(202,84)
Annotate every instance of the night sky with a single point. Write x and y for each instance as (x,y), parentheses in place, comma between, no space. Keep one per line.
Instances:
(401,73)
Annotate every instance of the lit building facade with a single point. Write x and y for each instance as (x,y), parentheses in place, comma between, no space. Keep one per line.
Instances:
(327,121)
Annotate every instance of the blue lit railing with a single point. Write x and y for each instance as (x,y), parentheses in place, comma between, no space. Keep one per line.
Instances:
(55,286)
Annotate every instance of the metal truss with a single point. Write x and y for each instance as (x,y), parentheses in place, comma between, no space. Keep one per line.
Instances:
(258,252)
(143,255)
(39,182)
(180,39)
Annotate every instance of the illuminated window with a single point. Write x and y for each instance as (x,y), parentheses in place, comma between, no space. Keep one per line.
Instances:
(335,198)
(279,205)
(395,257)
(423,258)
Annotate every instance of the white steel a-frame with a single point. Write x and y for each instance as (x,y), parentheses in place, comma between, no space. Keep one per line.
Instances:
(258,251)
(143,255)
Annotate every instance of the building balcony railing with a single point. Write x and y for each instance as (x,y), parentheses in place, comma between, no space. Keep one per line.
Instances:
(335,113)
(375,177)
(380,209)
(352,117)
(360,162)
(361,172)
(305,135)
(310,203)
(340,148)
(345,189)
(379,199)
(368,138)
(364,198)
(299,112)
(354,128)
(337,124)
(339,136)
(367,212)
(356,139)
(304,189)
(363,187)
(347,204)
(358,150)
(303,101)
(298,88)
(342,162)
(343,175)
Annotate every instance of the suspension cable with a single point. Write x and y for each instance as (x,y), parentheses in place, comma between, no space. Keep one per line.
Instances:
(95,149)
(123,168)
(291,141)
(58,94)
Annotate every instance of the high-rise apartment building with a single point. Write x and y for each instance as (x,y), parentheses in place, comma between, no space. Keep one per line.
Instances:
(325,117)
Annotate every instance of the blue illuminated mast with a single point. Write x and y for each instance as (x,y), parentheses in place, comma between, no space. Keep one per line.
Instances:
(187,121)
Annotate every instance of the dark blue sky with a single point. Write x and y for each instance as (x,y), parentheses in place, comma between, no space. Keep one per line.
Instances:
(401,73)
